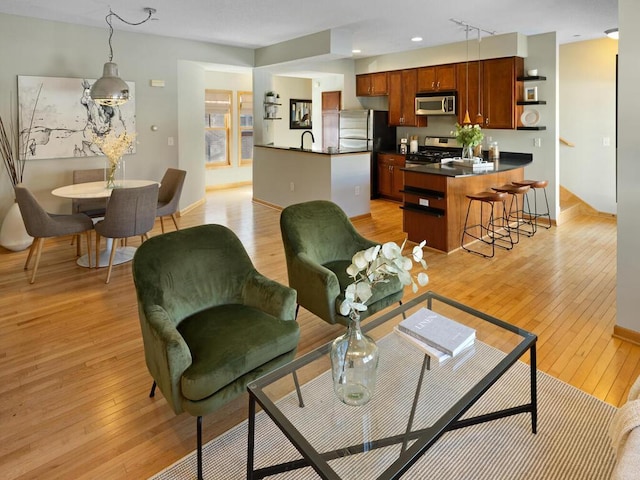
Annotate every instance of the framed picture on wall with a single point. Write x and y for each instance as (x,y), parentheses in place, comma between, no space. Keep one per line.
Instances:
(299,114)
(531,94)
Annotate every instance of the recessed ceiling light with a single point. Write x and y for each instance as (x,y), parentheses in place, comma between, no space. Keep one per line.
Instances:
(356,50)
(612,33)
(416,39)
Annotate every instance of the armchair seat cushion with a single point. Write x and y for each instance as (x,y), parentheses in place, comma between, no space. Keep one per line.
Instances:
(390,291)
(229,341)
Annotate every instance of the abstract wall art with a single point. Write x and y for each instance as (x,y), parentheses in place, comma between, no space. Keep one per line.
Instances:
(58,119)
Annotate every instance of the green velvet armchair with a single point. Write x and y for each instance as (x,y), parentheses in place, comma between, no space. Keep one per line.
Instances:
(319,243)
(210,322)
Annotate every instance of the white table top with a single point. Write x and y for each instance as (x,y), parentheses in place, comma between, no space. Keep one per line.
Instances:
(95,189)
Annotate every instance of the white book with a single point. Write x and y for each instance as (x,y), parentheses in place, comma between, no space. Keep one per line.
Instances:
(434,353)
(438,331)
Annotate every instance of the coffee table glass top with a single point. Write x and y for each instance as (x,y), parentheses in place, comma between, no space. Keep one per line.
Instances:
(415,402)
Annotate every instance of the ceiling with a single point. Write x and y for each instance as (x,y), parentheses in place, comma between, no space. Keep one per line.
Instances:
(377,26)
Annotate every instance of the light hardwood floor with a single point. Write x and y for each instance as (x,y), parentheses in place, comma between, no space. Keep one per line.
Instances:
(74,388)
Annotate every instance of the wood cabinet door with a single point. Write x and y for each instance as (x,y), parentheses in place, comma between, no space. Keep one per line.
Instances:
(398,178)
(378,82)
(474,95)
(395,98)
(426,79)
(446,77)
(499,91)
(385,184)
(331,102)
(363,85)
(409,88)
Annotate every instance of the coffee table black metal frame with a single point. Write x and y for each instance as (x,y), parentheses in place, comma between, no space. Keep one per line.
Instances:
(424,438)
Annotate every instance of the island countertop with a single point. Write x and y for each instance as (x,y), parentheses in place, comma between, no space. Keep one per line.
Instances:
(454,169)
(323,151)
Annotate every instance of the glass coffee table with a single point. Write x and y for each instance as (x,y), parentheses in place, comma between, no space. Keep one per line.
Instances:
(417,400)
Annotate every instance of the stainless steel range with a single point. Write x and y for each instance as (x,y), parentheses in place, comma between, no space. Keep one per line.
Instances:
(434,150)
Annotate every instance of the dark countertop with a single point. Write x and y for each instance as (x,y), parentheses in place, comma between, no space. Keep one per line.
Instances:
(342,151)
(505,163)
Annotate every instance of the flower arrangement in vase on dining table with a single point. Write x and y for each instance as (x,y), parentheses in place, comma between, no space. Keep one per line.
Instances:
(354,355)
(114,146)
(469,136)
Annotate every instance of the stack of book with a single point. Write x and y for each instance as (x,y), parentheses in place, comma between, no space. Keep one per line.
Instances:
(438,336)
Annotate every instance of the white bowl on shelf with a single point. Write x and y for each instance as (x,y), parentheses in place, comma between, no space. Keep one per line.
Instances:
(532,73)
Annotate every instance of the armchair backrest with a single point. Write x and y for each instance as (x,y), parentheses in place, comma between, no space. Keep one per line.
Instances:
(192,269)
(37,221)
(321,230)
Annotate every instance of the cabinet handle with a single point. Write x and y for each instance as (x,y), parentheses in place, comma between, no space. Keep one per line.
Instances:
(438,85)
(433,85)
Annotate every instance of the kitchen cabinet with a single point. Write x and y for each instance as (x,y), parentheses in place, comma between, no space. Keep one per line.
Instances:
(372,84)
(402,94)
(493,89)
(390,175)
(438,78)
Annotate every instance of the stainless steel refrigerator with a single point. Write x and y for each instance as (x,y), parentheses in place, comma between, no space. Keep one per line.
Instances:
(367,130)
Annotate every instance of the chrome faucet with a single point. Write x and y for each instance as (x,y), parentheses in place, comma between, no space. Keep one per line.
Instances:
(302,139)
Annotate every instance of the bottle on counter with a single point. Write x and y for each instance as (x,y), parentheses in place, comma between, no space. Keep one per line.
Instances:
(494,151)
(413,144)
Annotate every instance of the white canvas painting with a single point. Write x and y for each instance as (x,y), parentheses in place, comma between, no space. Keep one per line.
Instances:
(66,119)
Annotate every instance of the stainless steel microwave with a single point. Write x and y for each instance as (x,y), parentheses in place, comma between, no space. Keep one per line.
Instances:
(436,104)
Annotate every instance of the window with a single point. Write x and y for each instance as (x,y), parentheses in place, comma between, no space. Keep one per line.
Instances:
(245,127)
(217,124)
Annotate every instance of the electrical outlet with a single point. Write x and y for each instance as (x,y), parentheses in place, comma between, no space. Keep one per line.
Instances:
(357,189)
(606,141)
(537,142)
(170,141)
(292,187)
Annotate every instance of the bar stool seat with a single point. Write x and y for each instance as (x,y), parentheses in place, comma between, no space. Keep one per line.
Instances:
(516,214)
(534,215)
(494,231)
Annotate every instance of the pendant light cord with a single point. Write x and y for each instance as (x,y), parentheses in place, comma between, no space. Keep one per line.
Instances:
(150,12)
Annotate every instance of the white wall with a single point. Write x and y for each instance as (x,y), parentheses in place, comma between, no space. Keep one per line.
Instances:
(43,48)
(628,264)
(587,118)
(292,88)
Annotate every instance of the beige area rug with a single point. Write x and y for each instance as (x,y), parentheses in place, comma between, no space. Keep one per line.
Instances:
(571,443)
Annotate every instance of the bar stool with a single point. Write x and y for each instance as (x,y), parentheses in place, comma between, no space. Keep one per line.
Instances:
(516,214)
(535,185)
(489,233)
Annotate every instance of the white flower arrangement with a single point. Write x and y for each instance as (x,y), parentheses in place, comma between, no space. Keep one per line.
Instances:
(375,265)
(114,146)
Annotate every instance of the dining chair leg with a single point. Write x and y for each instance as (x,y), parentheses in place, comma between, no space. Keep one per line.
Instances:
(32,249)
(37,259)
(88,234)
(111,255)
(175,221)
(162,224)
(97,249)
(76,238)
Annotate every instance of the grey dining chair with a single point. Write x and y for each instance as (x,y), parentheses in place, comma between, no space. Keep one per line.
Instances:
(92,207)
(169,195)
(130,212)
(41,224)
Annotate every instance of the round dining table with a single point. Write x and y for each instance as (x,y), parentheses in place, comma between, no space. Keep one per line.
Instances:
(100,190)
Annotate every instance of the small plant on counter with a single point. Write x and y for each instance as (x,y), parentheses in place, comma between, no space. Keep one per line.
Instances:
(468,135)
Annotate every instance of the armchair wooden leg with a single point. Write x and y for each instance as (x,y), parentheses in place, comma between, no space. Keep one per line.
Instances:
(40,242)
(88,235)
(162,224)
(199,427)
(152,393)
(111,256)
(97,249)
(175,221)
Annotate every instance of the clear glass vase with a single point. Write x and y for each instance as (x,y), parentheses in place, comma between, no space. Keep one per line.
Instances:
(354,364)
(114,173)
(467,152)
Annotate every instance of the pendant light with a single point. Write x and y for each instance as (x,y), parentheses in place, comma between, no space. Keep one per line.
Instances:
(467,120)
(110,89)
(479,118)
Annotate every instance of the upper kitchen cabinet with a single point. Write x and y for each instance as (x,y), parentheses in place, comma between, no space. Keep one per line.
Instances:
(402,94)
(438,78)
(474,88)
(492,91)
(500,91)
(372,84)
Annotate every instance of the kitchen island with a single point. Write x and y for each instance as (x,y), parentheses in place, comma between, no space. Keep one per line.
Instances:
(283,176)
(435,202)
